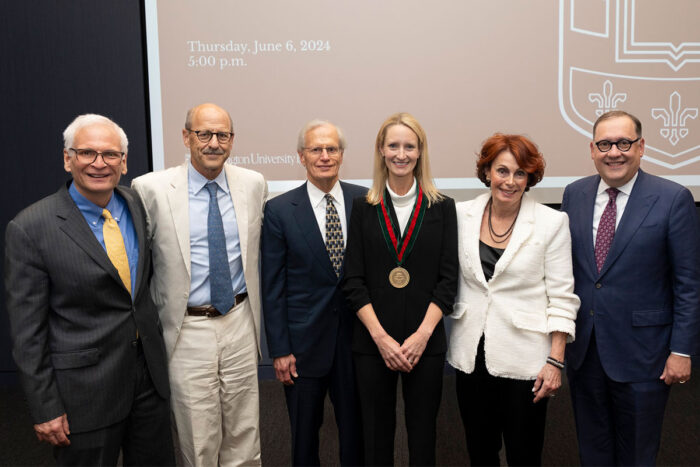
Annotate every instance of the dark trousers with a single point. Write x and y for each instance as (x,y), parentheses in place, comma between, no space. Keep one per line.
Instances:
(493,407)
(422,391)
(144,437)
(305,400)
(616,423)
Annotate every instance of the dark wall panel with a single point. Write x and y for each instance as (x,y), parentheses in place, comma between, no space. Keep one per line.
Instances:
(59,59)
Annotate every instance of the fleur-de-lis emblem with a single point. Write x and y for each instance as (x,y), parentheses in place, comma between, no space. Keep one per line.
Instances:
(674,118)
(606,101)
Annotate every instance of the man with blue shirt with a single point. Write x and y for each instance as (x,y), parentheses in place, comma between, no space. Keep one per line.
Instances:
(86,335)
(204,219)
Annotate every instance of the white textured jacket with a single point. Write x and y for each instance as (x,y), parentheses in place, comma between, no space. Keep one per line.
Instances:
(530,295)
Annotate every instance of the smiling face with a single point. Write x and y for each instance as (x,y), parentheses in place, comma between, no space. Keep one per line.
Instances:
(400,151)
(321,167)
(614,166)
(508,180)
(97,180)
(208,158)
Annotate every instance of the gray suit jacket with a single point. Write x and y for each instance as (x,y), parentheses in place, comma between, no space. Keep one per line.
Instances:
(72,321)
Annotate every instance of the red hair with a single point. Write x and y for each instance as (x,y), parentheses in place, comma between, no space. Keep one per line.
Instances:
(523,150)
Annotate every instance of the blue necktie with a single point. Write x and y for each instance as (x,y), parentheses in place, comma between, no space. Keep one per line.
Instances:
(222,297)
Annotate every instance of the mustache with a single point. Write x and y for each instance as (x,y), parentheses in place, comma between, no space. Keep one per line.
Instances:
(217,152)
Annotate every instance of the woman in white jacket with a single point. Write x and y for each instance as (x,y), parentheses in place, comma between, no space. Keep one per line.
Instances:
(515,307)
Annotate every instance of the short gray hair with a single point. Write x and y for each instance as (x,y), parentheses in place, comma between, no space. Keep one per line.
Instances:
(85,120)
(315,123)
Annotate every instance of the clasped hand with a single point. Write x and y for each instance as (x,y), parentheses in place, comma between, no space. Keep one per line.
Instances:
(402,357)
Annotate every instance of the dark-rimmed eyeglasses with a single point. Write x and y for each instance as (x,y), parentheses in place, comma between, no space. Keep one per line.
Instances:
(205,136)
(317,151)
(622,144)
(89,156)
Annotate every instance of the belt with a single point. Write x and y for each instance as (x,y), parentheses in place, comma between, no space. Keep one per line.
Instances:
(211,312)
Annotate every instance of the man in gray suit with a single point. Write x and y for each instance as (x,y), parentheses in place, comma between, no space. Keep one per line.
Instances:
(86,335)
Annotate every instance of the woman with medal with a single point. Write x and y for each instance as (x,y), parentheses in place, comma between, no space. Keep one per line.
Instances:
(400,279)
(515,308)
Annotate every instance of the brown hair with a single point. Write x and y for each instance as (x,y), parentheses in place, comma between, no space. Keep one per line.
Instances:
(523,150)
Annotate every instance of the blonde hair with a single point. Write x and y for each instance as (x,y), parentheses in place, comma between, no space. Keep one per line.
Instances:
(422,170)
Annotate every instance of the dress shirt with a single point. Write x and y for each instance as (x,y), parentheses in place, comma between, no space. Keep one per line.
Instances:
(403,205)
(318,204)
(200,290)
(120,212)
(602,198)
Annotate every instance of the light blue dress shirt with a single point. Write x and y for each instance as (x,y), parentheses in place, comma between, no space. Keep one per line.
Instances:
(200,289)
(120,212)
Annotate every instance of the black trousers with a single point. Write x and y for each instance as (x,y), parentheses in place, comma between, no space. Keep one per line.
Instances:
(305,400)
(422,391)
(144,437)
(492,407)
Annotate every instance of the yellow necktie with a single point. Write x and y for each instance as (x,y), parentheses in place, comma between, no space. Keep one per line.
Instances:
(115,248)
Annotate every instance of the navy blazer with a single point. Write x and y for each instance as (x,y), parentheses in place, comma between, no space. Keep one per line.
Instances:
(303,307)
(645,301)
(72,321)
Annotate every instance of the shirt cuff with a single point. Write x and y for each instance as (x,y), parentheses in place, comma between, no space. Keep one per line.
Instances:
(680,354)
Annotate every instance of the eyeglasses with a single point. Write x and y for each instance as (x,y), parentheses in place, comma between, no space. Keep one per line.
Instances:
(204,136)
(622,144)
(317,151)
(89,156)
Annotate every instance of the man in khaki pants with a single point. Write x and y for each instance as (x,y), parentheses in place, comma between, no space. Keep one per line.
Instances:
(204,219)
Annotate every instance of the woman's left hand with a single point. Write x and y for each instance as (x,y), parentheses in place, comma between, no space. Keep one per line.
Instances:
(547,383)
(414,345)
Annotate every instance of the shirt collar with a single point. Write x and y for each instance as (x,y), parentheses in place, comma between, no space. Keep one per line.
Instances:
(93,212)
(626,188)
(197,180)
(316,196)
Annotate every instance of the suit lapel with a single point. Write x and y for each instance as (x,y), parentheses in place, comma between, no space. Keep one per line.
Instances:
(139,221)
(179,202)
(469,228)
(74,225)
(306,221)
(636,210)
(582,211)
(522,230)
(240,207)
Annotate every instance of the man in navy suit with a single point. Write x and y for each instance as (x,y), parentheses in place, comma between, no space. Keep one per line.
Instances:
(307,322)
(636,255)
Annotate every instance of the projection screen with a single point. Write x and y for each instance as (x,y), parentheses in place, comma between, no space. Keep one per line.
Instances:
(465,68)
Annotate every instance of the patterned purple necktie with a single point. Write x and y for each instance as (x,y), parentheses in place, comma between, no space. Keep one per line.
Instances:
(606,229)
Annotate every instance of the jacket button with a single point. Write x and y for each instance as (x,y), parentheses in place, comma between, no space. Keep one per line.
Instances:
(598,285)
(591,312)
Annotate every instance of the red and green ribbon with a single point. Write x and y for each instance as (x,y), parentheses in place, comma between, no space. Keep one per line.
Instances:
(401,249)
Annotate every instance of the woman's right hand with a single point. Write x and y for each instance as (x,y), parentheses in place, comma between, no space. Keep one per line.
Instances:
(391,353)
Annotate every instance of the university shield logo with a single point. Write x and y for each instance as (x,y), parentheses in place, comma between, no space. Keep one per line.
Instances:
(641,56)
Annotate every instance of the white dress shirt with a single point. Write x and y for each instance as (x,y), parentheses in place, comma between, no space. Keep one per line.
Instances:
(318,204)
(602,198)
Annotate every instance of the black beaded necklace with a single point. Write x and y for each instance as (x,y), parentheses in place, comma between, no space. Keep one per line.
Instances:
(504,236)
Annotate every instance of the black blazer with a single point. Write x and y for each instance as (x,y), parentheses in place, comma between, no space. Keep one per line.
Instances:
(72,321)
(305,312)
(432,264)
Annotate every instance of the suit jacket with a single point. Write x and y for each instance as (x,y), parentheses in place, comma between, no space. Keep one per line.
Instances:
(530,295)
(644,303)
(165,196)
(305,311)
(72,321)
(432,266)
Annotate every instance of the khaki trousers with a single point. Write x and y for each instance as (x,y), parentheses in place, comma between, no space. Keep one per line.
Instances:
(214,386)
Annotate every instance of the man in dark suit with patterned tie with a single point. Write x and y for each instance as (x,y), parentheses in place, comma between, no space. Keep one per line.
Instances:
(86,335)
(307,322)
(636,257)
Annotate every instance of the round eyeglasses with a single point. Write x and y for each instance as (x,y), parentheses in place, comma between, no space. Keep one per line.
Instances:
(622,144)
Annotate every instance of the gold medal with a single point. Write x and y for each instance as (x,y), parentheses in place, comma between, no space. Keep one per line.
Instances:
(399,277)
